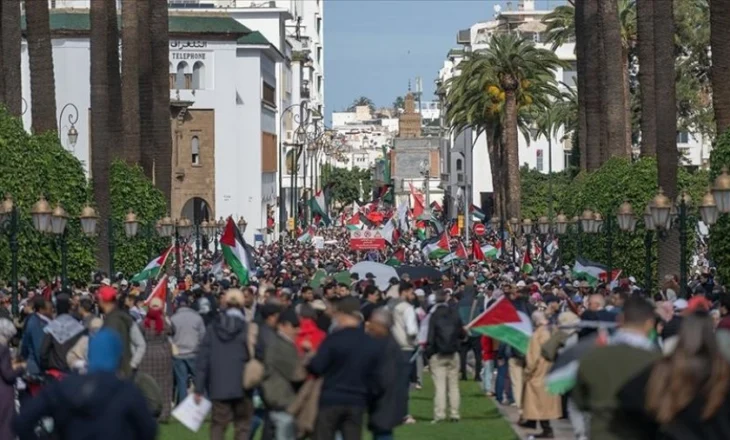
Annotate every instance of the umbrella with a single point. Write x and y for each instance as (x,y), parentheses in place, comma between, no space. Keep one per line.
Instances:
(382,272)
(420,272)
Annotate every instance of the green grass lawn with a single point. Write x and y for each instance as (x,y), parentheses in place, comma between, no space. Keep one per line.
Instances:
(479,419)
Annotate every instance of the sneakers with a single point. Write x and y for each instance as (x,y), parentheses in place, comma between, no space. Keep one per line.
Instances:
(408,420)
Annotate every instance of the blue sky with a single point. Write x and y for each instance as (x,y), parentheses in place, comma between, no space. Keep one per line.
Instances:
(372,47)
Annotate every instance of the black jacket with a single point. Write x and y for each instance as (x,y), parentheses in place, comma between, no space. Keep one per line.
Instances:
(445,330)
(61,335)
(383,409)
(221,357)
(93,406)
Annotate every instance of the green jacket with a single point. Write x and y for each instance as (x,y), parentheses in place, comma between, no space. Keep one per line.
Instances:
(284,372)
(122,322)
(601,375)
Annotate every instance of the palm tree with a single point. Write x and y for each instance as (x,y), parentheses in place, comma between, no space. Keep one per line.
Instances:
(115,81)
(42,80)
(719,25)
(100,135)
(130,83)
(145,87)
(363,100)
(645,28)
(666,126)
(161,129)
(11,41)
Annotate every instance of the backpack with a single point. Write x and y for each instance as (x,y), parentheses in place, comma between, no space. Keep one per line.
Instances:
(447,331)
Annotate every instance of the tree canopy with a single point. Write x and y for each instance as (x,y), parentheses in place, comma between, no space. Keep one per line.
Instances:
(344,184)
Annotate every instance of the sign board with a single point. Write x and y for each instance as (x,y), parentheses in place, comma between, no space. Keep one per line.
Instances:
(366,240)
(290,224)
(479,229)
(318,242)
(460,221)
(258,238)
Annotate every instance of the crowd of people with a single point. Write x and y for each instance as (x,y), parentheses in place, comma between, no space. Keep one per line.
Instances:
(291,358)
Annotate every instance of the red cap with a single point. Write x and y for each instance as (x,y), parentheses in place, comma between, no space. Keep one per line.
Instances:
(697,303)
(107,294)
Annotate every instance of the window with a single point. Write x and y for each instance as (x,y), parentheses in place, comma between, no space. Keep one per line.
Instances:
(319,55)
(458,164)
(198,76)
(539,165)
(183,79)
(683,137)
(319,25)
(195,150)
(536,37)
(319,85)
(269,94)
(567,157)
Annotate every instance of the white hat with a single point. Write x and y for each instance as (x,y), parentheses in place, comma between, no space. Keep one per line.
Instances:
(106,282)
(521,283)
(124,283)
(680,304)
(431,299)
(420,292)
(632,279)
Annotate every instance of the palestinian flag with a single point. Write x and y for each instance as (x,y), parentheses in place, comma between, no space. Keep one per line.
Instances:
(436,248)
(153,267)
(476,252)
(397,258)
(306,237)
(454,230)
(234,251)
(477,213)
(527,263)
(589,270)
(160,291)
(503,322)
(421,230)
(354,224)
(418,203)
(317,205)
(492,251)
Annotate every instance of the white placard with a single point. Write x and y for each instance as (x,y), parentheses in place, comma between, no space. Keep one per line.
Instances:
(190,414)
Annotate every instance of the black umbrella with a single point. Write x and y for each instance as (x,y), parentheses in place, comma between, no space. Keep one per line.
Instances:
(419,272)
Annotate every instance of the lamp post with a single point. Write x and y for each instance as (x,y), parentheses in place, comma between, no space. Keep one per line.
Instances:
(515,228)
(59,219)
(73,118)
(527,230)
(9,222)
(561,227)
(543,226)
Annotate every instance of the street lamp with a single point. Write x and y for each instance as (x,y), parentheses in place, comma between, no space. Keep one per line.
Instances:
(721,191)
(597,223)
(131,224)
(561,224)
(495,222)
(527,226)
(73,118)
(626,217)
(167,227)
(41,214)
(59,219)
(543,226)
(587,220)
(242,223)
(661,209)
(89,220)
(708,209)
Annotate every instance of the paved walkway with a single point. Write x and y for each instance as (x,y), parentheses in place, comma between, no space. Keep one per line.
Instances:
(562,428)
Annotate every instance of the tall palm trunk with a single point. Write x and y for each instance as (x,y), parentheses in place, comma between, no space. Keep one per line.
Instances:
(592,85)
(612,84)
(161,129)
(645,36)
(130,83)
(115,81)
(11,41)
(627,112)
(581,61)
(144,56)
(493,150)
(40,54)
(100,137)
(719,25)
(666,127)
(511,150)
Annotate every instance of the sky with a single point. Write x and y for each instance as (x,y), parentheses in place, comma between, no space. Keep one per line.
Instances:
(373,47)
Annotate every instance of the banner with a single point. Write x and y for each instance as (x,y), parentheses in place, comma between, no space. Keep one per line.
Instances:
(366,240)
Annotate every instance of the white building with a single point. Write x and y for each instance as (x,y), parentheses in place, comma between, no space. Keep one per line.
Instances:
(223,110)
(361,137)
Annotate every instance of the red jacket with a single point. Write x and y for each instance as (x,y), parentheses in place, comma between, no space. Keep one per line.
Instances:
(308,331)
(487,348)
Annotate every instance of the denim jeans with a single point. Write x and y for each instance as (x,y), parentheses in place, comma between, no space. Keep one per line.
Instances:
(501,387)
(284,426)
(487,373)
(183,369)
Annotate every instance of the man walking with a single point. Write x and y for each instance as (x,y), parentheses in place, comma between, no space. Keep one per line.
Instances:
(405,331)
(445,330)
(188,330)
(222,355)
(121,322)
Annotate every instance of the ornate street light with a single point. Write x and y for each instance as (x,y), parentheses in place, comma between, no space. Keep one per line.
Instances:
(721,191)
(514,225)
(597,223)
(561,224)
(242,223)
(131,224)
(205,228)
(626,217)
(708,209)
(527,226)
(59,219)
(6,208)
(648,219)
(167,227)
(543,225)
(495,221)
(184,227)
(221,225)
(661,210)
(41,213)
(587,220)
(89,219)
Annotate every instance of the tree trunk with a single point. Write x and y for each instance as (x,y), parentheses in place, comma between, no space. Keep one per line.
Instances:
(493,149)
(627,101)
(2,76)
(40,55)
(645,49)
(511,156)
(144,54)
(11,42)
(100,136)
(666,127)
(613,85)
(592,86)
(130,83)
(161,129)
(115,81)
(720,43)
(581,60)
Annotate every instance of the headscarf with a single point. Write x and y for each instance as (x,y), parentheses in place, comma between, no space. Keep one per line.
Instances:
(7,331)
(154,318)
(105,351)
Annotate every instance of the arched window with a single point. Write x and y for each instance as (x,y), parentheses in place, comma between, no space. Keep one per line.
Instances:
(458,164)
(198,76)
(195,150)
(180,76)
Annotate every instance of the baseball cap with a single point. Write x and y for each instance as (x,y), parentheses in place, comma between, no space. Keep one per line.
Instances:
(520,283)
(106,282)
(107,294)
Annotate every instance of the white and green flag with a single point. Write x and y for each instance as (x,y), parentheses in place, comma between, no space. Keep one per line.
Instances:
(234,251)
(318,206)
(589,270)
(152,270)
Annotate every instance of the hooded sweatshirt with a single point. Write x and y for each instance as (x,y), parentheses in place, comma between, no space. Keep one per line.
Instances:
(97,405)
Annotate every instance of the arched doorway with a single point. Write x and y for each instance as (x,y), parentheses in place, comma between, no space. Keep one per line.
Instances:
(196,210)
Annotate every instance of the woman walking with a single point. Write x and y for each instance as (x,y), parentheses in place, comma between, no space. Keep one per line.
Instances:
(157,361)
